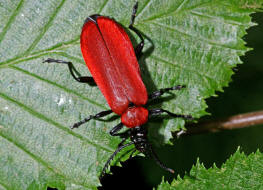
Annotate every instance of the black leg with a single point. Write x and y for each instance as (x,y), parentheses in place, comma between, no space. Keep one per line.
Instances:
(116,129)
(113,155)
(98,115)
(163,90)
(160,111)
(139,47)
(124,135)
(73,72)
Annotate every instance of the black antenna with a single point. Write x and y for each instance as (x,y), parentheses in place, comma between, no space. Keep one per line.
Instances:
(157,160)
(113,155)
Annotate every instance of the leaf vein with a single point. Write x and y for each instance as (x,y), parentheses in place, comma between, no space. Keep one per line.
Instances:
(45,28)
(146,5)
(186,68)
(4,185)
(36,158)
(172,11)
(57,85)
(211,42)
(33,156)
(58,46)
(180,6)
(11,19)
(52,122)
(196,13)
(103,6)
(231,172)
(41,52)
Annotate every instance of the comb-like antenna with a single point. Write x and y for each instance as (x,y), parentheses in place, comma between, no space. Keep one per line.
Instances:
(113,155)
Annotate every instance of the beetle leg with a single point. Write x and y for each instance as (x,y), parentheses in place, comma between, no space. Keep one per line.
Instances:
(114,131)
(73,72)
(98,115)
(139,47)
(134,10)
(160,92)
(160,111)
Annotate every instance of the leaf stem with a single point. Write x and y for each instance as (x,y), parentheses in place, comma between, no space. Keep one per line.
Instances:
(229,123)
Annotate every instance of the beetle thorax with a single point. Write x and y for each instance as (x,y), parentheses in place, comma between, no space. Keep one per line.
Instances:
(134,116)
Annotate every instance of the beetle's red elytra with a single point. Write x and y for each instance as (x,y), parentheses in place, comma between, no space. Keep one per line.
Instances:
(104,41)
(113,63)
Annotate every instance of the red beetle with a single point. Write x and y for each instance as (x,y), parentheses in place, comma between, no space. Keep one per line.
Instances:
(112,61)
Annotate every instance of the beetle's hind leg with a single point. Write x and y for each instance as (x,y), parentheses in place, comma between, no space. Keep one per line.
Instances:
(75,74)
(160,111)
(160,92)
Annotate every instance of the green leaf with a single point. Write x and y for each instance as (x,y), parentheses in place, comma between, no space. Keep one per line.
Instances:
(196,43)
(239,172)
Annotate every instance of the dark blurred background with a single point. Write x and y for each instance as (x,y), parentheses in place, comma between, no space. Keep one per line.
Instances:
(244,94)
